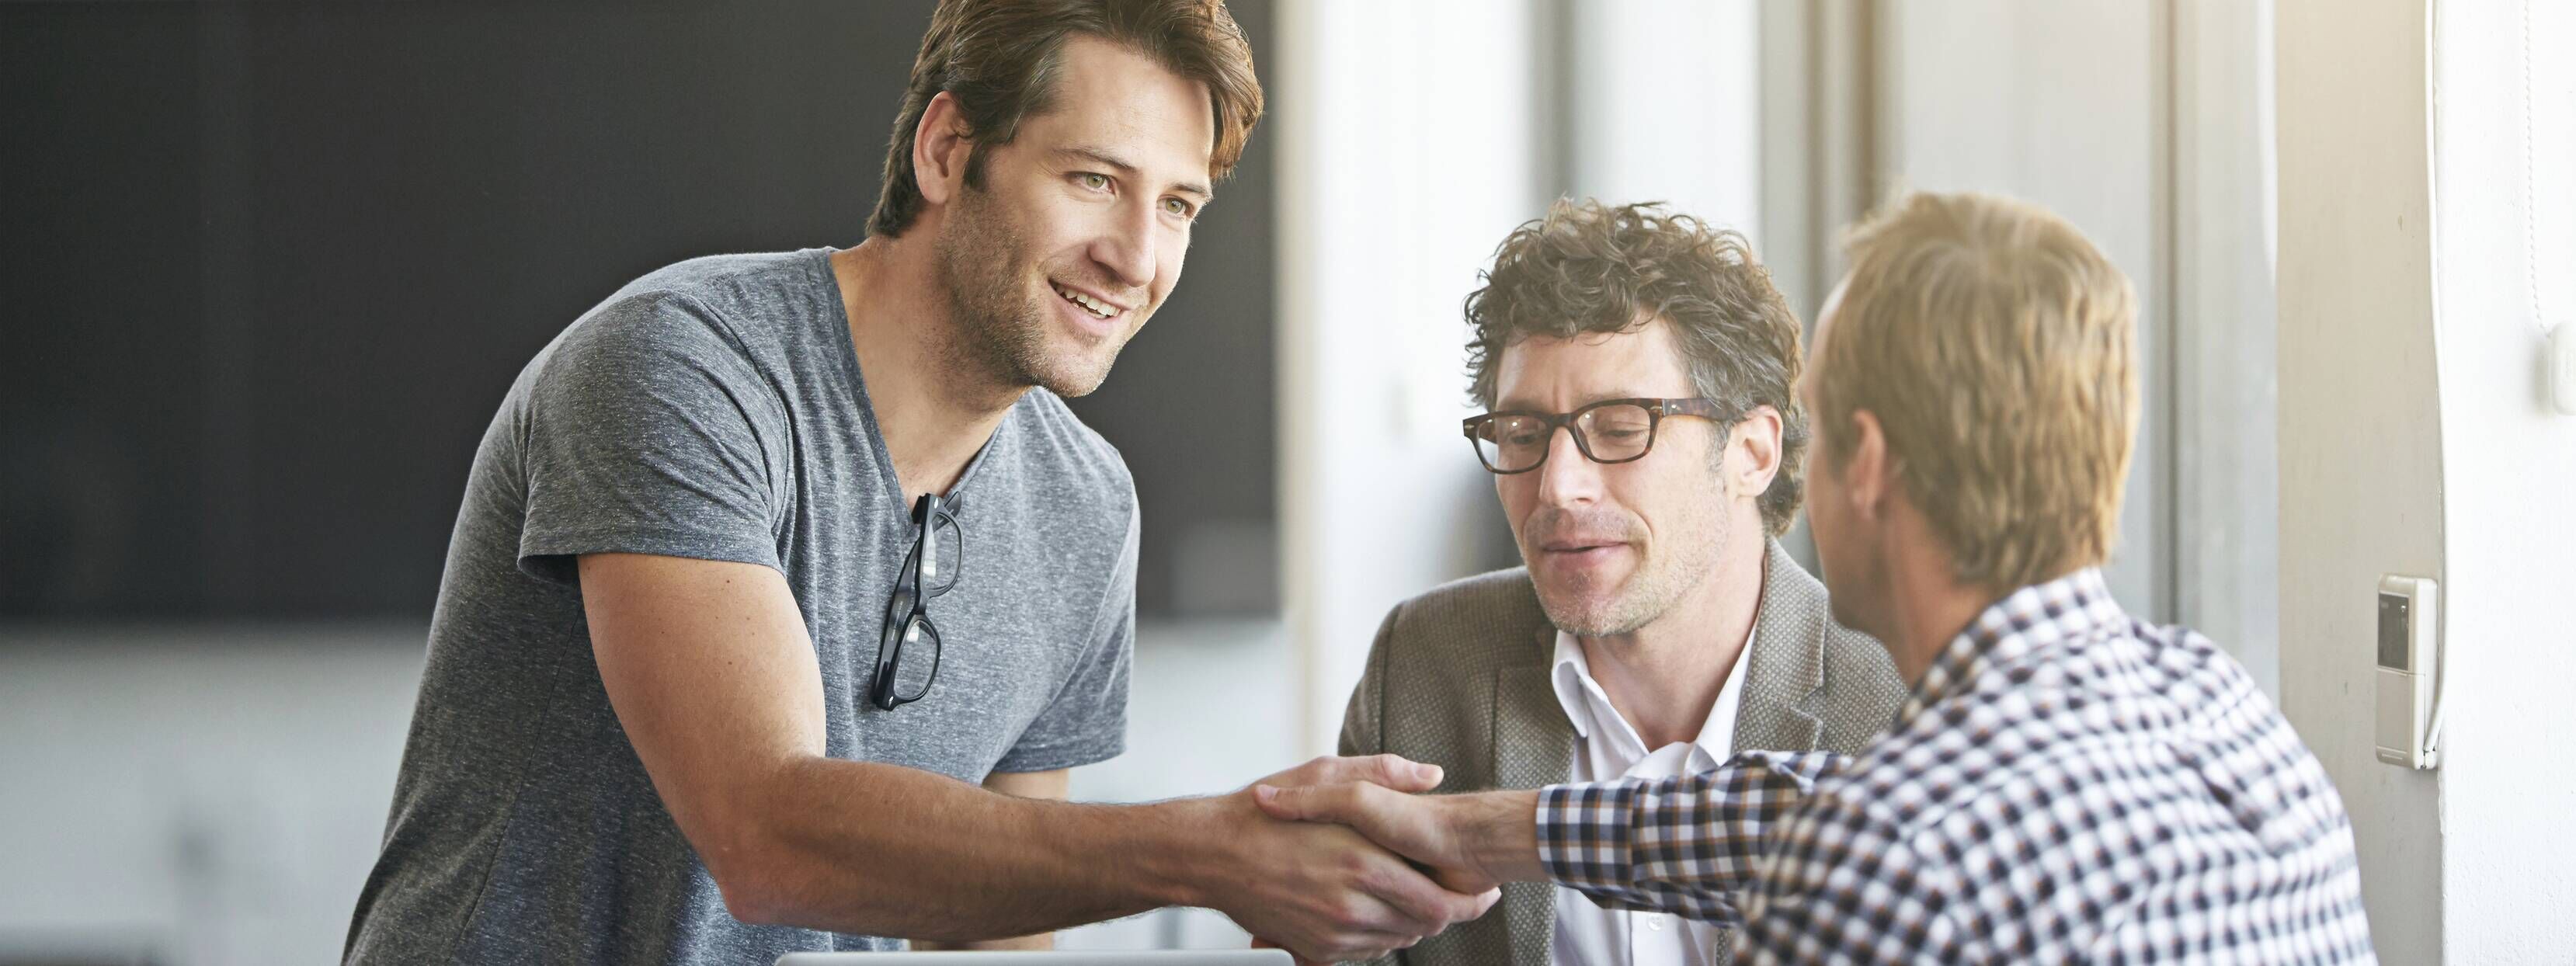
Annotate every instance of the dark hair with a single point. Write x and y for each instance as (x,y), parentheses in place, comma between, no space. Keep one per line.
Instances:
(999,59)
(1591,268)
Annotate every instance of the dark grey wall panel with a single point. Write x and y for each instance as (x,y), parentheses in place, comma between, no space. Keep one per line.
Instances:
(268,268)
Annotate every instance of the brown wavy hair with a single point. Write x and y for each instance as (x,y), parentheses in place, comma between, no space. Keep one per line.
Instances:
(999,59)
(1593,268)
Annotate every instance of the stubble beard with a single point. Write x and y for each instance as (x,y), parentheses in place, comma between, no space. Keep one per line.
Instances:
(999,330)
(1653,588)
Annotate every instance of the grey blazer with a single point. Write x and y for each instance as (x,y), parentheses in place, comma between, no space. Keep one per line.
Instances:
(1459,678)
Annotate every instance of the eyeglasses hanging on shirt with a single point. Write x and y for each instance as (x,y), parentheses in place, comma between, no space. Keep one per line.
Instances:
(929,569)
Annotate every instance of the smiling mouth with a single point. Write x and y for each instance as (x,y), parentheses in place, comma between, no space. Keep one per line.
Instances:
(1097,308)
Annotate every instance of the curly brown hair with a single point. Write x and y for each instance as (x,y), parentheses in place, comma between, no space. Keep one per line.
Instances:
(999,59)
(1593,268)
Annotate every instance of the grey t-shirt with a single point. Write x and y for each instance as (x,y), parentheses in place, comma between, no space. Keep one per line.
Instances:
(714,410)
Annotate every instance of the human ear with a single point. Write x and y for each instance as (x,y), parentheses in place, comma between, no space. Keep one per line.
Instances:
(1758,436)
(941,146)
(1868,474)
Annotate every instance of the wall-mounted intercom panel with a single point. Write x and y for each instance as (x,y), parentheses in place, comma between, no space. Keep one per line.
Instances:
(2408,640)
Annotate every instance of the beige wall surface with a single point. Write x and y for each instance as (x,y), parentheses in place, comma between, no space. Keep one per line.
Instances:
(2361,435)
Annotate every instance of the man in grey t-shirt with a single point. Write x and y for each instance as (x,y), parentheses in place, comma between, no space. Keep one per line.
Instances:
(652,728)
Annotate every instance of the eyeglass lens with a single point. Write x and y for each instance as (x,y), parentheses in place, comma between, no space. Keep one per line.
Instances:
(943,556)
(1512,443)
(915,661)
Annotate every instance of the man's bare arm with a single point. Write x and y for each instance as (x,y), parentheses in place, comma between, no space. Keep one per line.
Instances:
(1054,785)
(712,676)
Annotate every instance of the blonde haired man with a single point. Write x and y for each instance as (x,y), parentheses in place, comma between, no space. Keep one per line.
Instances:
(2064,783)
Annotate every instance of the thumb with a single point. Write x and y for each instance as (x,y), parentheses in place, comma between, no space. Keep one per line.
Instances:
(1393,771)
(1310,803)
(1396,772)
(1278,803)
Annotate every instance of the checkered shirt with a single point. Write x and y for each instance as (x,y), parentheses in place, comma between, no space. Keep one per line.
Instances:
(2065,784)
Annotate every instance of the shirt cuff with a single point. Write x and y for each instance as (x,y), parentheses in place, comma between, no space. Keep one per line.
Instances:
(1585,836)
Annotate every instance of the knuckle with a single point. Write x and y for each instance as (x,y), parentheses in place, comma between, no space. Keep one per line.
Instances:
(1351,913)
(1369,878)
(1354,865)
(1463,908)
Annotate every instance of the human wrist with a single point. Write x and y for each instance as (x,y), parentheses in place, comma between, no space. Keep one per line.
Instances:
(1498,834)
(1173,851)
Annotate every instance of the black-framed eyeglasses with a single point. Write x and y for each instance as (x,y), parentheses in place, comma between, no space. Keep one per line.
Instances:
(929,569)
(1609,431)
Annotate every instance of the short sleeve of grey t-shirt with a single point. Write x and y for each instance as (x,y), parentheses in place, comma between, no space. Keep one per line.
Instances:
(649,432)
(715,410)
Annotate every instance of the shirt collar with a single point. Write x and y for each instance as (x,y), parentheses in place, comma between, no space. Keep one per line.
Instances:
(2072,607)
(1572,678)
(1585,704)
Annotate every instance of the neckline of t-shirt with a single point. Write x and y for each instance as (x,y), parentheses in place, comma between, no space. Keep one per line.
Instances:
(953,501)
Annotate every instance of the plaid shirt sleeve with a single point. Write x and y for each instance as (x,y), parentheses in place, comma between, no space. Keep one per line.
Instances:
(1684,845)
(1837,888)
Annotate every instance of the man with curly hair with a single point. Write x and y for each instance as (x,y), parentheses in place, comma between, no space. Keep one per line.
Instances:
(1645,443)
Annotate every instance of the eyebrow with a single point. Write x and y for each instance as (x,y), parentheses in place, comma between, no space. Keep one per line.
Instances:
(1124,167)
(1526,406)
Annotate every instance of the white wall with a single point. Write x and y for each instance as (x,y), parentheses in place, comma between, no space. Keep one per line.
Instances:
(2361,439)
(1668,107)
(2225,362)
(208,797)
(2508,771)
(1405,155)
(2062,104)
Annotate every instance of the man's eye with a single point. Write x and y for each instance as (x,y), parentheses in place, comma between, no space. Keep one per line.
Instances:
(1094,181)
(1178,207)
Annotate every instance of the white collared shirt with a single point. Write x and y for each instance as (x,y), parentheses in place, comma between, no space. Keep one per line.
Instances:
(1607,747)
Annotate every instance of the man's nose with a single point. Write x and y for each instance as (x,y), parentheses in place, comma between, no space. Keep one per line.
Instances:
(1567,477)
(1126,249)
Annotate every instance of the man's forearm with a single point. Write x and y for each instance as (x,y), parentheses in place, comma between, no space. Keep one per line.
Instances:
(1500,832)
(885,850)
(1054,786)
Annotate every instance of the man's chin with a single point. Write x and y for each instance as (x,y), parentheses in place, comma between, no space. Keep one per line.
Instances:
(1071,378)
(1595,626)
(1585,615)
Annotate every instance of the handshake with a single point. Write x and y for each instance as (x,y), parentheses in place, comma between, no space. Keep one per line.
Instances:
(1344,858)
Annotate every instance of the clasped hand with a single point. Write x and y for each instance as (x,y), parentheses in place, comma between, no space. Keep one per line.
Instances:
(1348,889)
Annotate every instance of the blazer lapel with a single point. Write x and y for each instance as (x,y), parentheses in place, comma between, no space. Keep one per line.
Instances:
(1533,747)
(1785,673)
